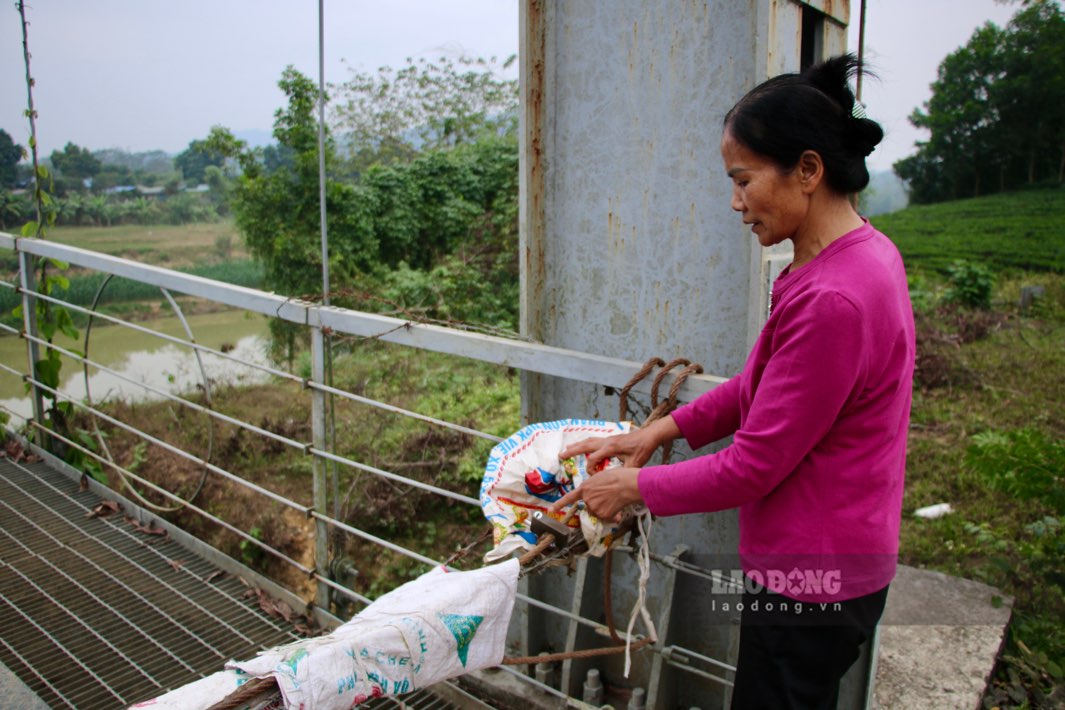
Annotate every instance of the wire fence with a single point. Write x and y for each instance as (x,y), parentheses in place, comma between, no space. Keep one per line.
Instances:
(328,529)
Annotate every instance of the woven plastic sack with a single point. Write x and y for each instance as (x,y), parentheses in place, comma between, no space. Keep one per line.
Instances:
(207,691)
(525,475)
(441,625)
(438,626)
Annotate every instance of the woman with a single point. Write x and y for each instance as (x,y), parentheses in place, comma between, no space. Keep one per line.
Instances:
(820,412)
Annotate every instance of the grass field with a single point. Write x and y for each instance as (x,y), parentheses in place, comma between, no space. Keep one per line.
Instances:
(1019,231)
(162,245)
(988,425)
(213,250)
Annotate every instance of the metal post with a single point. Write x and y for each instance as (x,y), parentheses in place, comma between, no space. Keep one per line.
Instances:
(861,51)
(665,614)
(568,684)
(321,152)
(319,418)
(27,264)
(324,229)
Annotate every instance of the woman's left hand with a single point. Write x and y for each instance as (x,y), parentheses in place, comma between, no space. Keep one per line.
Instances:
(605,494)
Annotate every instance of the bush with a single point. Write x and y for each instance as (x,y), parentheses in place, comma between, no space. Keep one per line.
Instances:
(1023,463)
(970,285)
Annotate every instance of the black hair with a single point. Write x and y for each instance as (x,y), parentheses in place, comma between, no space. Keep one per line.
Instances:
(813,110)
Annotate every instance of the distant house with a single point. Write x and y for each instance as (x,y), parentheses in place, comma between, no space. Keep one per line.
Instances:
(120,189)
(150,191)
(202,187)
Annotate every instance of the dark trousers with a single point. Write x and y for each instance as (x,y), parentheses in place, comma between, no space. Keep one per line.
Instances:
(792,657)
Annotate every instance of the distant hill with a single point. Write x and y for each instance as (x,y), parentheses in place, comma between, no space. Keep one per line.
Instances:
(1022,230)
(886,193)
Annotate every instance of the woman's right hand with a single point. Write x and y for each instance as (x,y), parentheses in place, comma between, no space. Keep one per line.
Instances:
(633,448)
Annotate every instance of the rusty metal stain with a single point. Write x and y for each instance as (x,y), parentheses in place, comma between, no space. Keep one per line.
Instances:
(533,100)
(838,10)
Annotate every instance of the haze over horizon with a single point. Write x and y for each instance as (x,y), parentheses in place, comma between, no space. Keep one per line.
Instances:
(147,76)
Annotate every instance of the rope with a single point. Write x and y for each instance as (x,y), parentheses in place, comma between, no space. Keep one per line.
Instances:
(461,554)
(657,382)
(545,541)
(242,697)
(671,402)
(643,560)
(623,396)
(658,409)
(567,655)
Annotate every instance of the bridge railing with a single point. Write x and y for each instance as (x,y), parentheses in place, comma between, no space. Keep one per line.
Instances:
(323,323)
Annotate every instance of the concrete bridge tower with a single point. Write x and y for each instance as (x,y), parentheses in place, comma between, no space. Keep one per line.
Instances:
(629,247)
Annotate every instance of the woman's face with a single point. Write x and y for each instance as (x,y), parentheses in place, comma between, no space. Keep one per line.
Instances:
(771,201)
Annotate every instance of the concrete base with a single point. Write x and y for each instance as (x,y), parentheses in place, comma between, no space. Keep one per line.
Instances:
(939,640)
(16,695)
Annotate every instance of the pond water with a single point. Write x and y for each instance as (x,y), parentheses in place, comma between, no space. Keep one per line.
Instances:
(147,359)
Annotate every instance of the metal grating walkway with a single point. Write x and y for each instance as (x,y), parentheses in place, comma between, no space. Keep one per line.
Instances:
(96,614)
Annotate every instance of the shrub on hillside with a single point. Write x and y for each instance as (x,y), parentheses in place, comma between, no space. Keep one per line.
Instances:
(970,285)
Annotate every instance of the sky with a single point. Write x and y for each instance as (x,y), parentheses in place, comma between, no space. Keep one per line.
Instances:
(156,74)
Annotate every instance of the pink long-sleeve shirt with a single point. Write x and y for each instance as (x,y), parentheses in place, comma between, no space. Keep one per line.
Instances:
(819,417)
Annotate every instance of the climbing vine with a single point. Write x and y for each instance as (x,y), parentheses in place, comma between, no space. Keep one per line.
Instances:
(50,319)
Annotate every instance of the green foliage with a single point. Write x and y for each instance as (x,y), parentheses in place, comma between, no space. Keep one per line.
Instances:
(81,289)
(922,297)
(1003,379)
(141,165)
(278,212)
(1023,463)
(970,285)
(996,118)
(14,209)
(250,553)
(435,236)
(49,318)
(393,115)
(442,200)
(1031,670)
(1010,231)
(75,162)
(82,461)
(453,389)
(194,161)
(10,155)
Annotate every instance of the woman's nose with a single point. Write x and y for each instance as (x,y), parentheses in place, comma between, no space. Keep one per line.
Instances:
(737,202)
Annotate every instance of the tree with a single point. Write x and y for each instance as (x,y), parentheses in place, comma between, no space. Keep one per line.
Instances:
(278,211)
(996,118)
(391,116)
(434,234)
(1032,90)
(13,209)
(194,161)
(10,155)
(966,136)
(75,162)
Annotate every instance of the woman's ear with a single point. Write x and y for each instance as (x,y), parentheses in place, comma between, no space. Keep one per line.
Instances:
(811,170)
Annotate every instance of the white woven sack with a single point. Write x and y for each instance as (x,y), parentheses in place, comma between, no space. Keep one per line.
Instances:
(438,626)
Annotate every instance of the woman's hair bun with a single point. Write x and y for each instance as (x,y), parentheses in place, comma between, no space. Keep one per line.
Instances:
(813,110)
(865,135)
(832,78)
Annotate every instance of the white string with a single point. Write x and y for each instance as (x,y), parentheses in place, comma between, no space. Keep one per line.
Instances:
(643,560)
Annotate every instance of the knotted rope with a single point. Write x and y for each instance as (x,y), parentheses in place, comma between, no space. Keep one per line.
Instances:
(658,410)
